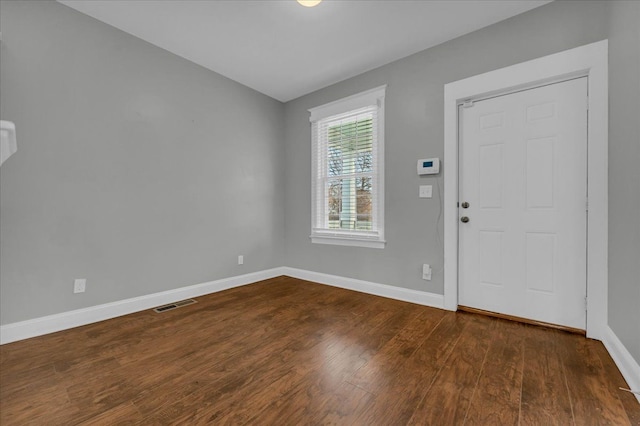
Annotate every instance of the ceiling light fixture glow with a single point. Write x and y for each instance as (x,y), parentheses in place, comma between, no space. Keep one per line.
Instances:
(309,3)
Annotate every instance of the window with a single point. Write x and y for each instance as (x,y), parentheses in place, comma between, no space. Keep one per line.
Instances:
(348,171)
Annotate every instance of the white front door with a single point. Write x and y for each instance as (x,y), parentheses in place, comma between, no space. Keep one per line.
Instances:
(523,173)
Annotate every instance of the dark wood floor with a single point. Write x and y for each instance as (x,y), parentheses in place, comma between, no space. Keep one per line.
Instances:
(289,352)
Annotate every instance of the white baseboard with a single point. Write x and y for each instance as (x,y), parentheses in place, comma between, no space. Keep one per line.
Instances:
(392,292)
(63,321)
(628,366)
(66,320)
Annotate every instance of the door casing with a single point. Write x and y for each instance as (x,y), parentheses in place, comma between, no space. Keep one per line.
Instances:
(591,61)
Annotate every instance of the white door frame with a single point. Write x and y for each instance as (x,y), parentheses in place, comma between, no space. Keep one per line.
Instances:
(590,60)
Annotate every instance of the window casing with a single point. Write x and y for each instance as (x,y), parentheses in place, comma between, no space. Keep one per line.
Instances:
(348,171)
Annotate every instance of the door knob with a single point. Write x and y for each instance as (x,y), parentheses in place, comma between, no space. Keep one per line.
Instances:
(465,205)
(464,219)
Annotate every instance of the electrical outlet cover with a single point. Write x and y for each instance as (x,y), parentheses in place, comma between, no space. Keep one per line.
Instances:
(426,272)
(79,285)
(426,191)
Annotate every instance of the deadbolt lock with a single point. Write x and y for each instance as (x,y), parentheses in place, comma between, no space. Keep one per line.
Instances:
(465,205)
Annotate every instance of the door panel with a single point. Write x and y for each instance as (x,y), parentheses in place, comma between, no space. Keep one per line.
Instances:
(523,171)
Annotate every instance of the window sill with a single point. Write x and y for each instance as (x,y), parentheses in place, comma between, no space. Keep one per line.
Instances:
(353,242)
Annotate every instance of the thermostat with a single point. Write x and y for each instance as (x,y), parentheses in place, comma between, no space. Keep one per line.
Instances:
(429,166)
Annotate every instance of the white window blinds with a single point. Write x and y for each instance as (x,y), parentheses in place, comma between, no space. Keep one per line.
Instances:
(347,171)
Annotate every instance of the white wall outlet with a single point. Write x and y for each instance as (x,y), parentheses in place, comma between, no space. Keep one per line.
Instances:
(426,191)
(241,260)
(426,272)
(79,285)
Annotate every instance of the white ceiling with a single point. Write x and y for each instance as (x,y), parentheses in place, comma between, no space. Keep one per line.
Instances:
(285,50)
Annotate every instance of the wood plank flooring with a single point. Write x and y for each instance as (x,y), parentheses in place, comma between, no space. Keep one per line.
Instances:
(290,352)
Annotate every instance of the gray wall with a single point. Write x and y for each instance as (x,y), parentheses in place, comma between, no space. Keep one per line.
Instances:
(414,129)
(143,172)
(624,174)
(135,169)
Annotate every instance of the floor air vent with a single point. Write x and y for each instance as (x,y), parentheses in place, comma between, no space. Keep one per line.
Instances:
(174,305)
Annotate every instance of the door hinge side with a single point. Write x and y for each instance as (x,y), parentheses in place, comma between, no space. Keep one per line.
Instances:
(586,204)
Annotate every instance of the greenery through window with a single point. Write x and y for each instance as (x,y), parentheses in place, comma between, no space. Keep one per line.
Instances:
(350,157)
(347,157)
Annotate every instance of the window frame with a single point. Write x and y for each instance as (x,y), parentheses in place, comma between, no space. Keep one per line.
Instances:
(375,238)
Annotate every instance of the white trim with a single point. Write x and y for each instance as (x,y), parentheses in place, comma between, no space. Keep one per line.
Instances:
(319,233)
(357,101)
(628,366)
(50,324)
(392,292)
(63,321)
(76,318)
(348,241)
(590,60)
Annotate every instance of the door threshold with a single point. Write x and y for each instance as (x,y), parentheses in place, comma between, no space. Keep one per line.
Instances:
(523,320)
